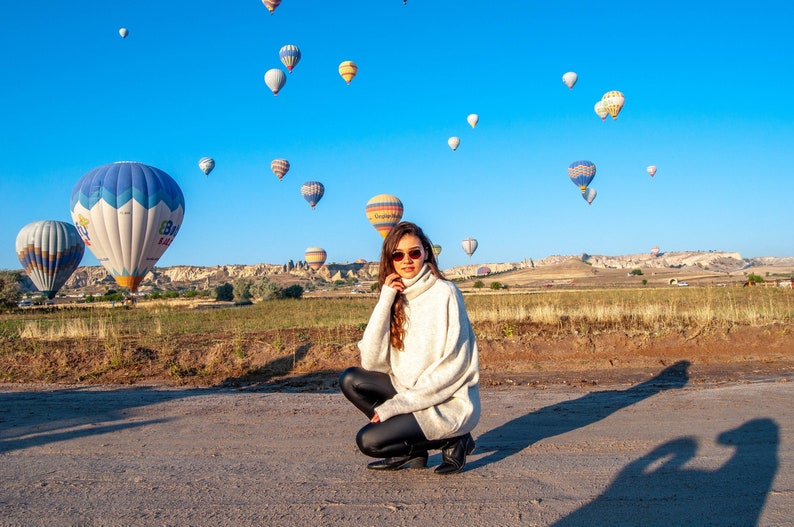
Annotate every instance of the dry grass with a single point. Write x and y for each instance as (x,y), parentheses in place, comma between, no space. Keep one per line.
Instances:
(181,343)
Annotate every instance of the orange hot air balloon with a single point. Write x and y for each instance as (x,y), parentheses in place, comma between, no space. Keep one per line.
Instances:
(280,167)
(348,70)
(384,211)
(271,5)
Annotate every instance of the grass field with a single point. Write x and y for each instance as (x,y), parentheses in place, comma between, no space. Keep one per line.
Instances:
(177,341)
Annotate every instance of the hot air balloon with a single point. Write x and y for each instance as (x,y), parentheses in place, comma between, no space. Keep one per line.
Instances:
(315,257)
(453,142)
(271,5)
(469,246)
(348,70)
(312,191)
(275,80)
(613,102)
(654,251)
(601,110)
(128,214)
(473,119)
(570,79)
(290,55)
(206,164)
(651,170)
(482,271)
(384,211)
(581,173)
(49,251)
(436,249)
(589,195)
(123,32)
(280,167)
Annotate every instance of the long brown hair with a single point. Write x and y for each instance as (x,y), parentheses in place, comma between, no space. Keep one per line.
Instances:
(398,319)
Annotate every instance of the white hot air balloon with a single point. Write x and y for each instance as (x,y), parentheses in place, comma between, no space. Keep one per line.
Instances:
(206,164)
(473,119)
(123,32)
(453,142)
(469,246)
(589,195)
(601,110)
(570,79)
(275,80)
(651,170)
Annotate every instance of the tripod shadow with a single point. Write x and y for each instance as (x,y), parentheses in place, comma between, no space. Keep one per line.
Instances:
(657,489)
(516,435)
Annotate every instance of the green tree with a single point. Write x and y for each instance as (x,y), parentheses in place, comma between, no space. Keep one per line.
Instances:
(636,272)
(10,292)
(478,284)
(496,285)
(755,279)
(293,291)
(224,292)
(264,289)
(241,290)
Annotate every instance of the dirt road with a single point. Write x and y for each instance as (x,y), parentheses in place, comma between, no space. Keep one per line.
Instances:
(662,452)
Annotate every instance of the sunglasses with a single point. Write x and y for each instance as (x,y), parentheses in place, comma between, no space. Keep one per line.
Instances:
(414,254)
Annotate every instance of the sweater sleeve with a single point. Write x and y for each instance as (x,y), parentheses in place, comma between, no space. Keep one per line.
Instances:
(446,375)
(374,344)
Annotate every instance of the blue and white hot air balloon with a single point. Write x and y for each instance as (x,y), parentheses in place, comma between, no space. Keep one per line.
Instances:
(128,214)
(581,173)
(49,251)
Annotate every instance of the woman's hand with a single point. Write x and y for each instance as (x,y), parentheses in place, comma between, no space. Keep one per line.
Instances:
(395,282)
(375,418)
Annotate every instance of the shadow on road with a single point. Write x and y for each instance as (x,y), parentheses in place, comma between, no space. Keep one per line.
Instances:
(657,489)
(35,418)
(516,435)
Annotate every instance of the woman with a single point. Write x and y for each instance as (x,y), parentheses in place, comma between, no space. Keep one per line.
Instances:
(419,363)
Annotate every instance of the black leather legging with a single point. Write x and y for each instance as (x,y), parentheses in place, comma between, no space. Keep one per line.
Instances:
(397,436)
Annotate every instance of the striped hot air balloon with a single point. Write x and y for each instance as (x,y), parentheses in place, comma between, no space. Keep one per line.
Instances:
(384,211)
(613,103)
(312,191)
(280,167)
(290,55)
(315,257)
(581,173)
(271,5)
(49,252)
(206,164)
(348,70)
(128,214)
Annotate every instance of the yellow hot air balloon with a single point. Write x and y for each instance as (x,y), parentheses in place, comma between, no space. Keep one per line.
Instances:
(348,70)
(613,103)
(384,211)
(315,257)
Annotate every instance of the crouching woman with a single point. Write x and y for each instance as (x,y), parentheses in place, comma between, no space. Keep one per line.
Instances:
(419,374)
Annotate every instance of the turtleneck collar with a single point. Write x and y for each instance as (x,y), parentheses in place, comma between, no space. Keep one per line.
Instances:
(419,284)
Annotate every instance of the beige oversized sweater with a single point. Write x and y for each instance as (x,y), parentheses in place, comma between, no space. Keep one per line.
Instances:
(436,373)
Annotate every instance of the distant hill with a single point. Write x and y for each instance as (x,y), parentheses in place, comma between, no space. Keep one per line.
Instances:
(95,279)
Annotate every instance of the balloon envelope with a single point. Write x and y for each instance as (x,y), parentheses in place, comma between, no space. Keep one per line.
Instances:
(123,32)
(312,191)
(651,170)
(601,110)
(49,252)
(570,79)
(581,173)
(589,195)
(206,164)
(483,270)
(654,251)
(280,167)
(613,102)
(271,5)
(348,70)
(384,211)
(275,80)
(436,249)
(473,119)
(453,142)
(315,257)
(290,55)
(127,214)
(469,245)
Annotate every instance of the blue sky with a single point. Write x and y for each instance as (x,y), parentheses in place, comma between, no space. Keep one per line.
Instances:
(708,101)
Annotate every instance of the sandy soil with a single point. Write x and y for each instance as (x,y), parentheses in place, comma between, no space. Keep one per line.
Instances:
(665,451)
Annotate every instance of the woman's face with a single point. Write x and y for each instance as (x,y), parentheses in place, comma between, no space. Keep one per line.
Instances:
(408,256)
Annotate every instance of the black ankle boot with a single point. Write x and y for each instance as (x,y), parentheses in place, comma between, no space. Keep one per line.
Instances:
(416,460)
(453,455)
